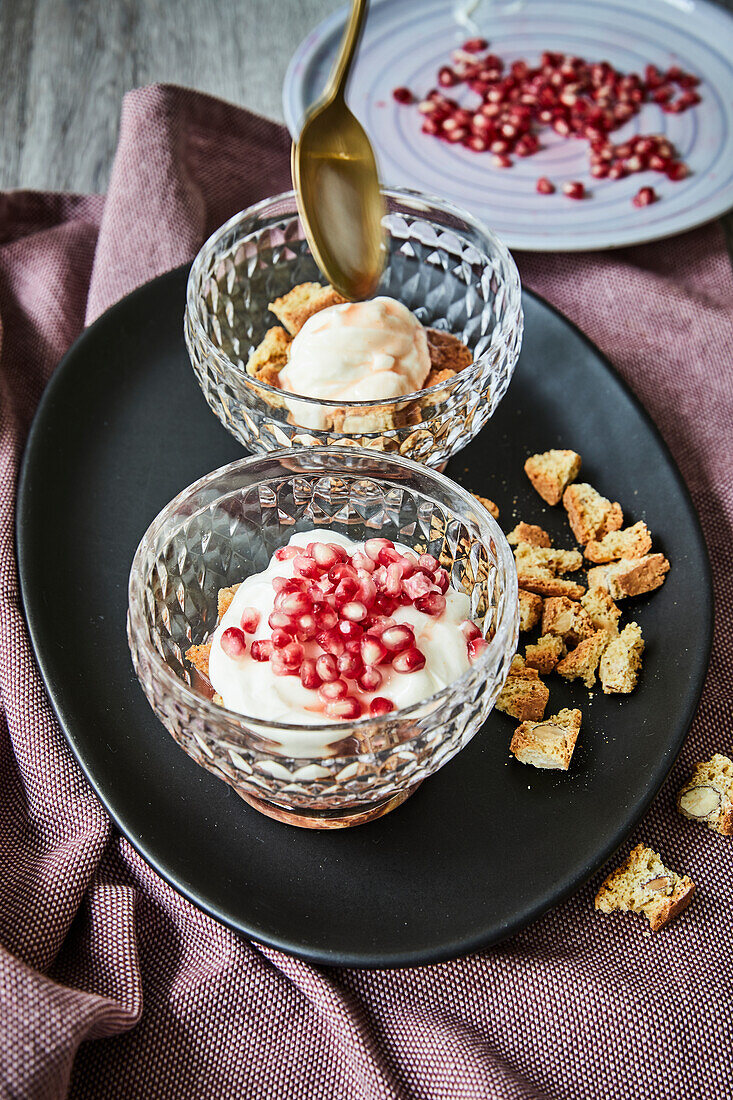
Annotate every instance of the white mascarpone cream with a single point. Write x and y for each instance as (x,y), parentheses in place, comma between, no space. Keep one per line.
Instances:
(251,687)
(359,351)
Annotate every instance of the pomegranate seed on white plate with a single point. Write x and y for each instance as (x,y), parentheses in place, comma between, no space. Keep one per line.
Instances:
(343,570)
(398,638)
(295,603)
(475,45)
(428,563)
(363,561)
(446,77)
(284,553)
(644,197)
(293,654)
(306,567)
(334,689)
(347,709)
(544,186)
(233,642)
(280,638)
(250,620)
(349,665)
(326,668)
(306,627)
(501,161)
(432,604)
(370,679)
(470,630)
(281,667)
(402,95)
(574,189)
(332,642)
(373,547)
(309,677)
(410,660)
(389,554)
(279,620)
(372,649)
(354,611)
(476,647)
(380,706)
(262,651)
(324,555)
(677,170)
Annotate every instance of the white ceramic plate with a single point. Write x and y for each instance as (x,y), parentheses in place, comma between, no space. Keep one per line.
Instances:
(405,42)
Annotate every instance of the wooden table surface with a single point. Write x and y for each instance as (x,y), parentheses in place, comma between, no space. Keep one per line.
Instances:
(66,64)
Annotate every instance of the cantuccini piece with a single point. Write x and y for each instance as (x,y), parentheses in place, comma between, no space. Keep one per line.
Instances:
(591,515)
(642,884)
(530,534)
(631,542)
(542,581)
(545,653)
(581,663)
(603,612)
(530,610)
(524,696)
(708,796)
(630,577)
(566,618)
(547,744)
(224,599)
(621,661)
(558,561)
(294,308)
(551,471)
(447,354)
(488,505)
(198,655)
(270,356)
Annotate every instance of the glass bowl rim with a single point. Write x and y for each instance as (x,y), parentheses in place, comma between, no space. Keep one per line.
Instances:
(216,711)
(444,205)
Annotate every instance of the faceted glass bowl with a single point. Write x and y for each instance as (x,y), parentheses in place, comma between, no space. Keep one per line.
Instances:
(224,528)
(442,264)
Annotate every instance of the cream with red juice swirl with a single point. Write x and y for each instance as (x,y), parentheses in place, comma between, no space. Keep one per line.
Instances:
(333,631)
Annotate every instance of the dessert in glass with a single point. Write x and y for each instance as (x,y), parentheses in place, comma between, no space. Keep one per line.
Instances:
(284,362)
(323,629)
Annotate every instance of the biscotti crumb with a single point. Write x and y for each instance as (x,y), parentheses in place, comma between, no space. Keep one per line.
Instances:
(488,505)
(551,471)
(629,577)
(198,655)
(524,696)
(270,356)
(437,376)
(591,515)
(631,542)
(547,744)
(642,884)
(294,308)
(529,533)
(603,612)
(621,661)
(557,561)
(224,599)
(530,610)
(540,579)
(581,663)
(708,796)
(545,653)
(567,619)
(447,352)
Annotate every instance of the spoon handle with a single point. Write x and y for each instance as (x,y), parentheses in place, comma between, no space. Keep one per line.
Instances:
(340,72)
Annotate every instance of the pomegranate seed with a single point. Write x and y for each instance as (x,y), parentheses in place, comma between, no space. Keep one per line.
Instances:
(561,126)
(334,689)
(372,649)
(281,667)
(355,611)
(476,647)
(343,571)
(380,706)
(325,556)
(428,563)
(373,547)
(346,709)
(470,630)
(350,665)
(370,679)
(599,171)
(545,186)
(392,580)
(345,591)
(326,618)
(233,642)
(432,604)
(295,603)
(384,605)
(261,651)
(250,620)
(662,94)
(617,171)
(350,632)
(410,660)
(363,561)
(309,677)
(677,171)
(447,77)
(367,590)
(417,585)
(306,627)
(402,95)
(398,638)
(501,161)
(292,654)
(442,580)
(278,620)
(574,189)
(475,45)
(326,668)
(284,553)
(644,197)
(332,642)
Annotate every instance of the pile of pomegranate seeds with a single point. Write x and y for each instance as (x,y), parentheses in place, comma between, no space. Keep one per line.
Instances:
(574,97)
(344,603)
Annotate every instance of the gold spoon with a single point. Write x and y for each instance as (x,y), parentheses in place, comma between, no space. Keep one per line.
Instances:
(336,182)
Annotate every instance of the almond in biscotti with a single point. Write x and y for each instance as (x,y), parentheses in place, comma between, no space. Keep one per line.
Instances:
(630,577)
(632,542)
(603,612)
(642,884)
(591,515)
(551,471)
(708,796)
(547,744)
(567,619)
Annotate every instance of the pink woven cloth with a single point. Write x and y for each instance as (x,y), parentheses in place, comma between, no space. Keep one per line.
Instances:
(111,985)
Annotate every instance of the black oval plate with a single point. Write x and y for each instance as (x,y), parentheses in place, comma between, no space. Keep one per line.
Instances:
(487,844)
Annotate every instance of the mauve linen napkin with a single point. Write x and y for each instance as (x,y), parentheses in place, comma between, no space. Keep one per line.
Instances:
(111,985)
